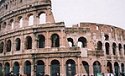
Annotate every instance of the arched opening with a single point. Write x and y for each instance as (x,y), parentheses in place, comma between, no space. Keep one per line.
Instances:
(99,45)
(20,21)
(31,20)
(114,48)
(70,67)
(40,69)
(18,44)
(116,68)
(109,67)
(12,23)
(55,40)
(107,46)
(82,42)
(28,42)
(41,41)
(42,18)
(8,48)
(1,72)
(1,47)
(55,68)
(4,25)
(120,48)
(7,69)
(96,68)
(106,37)
(16,68)
(27,68)
(86,67)
(70,42)
(122,69)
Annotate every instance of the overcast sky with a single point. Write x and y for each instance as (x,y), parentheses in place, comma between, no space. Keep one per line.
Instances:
(71,12)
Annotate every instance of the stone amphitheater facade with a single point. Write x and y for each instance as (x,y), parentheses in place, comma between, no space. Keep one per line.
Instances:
(32,43)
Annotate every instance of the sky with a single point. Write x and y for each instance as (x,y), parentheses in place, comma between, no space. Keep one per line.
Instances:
(72,12)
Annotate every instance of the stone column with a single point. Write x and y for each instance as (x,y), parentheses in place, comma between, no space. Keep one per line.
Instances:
(62,39)
(91,69)
(49,16)
(78,63)
(62,71)
(47,41)
(47,66)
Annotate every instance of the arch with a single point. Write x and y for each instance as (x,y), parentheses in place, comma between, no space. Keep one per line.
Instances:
(28,43)
(40,69)
(1,72)
(114,48)
(55,40)
(20,21)
(4,25)
(71,42)
(120,48)
(16,68)
(27,68)
(96,68)
(12,23)
(86,67)
(1,47)
(106,37)
(18,44)
(107,46)
(116,68)
(30,19)
(55,68)
(122,68)
(7,69)
(42,18)
(70,67)
(99,45)
(8,48)
(82,41)
(109,67)
(41,41)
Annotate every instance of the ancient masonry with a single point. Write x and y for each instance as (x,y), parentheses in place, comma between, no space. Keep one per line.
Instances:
(33,44)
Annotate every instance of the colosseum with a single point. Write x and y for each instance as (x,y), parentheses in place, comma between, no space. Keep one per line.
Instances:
(33,44)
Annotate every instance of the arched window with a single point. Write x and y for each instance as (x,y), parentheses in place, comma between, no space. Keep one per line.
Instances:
(122,68)
(55,68)
(106,37)
(28,42)
(1,71)
(8,48)
(70,42)
(70,67)
(96,68)
(1,47)
(18,44)
(41,41)
(4,25)
(7,69)
(109,67)
(20,21)
(27,68)
(116,68)
(42,18)
(82,42)
(16,68)
(55,40)
(107,46)
(99,45)
(12,23)
(120,48)
(86,67)
(114,48)
(31,20)
(40,69)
